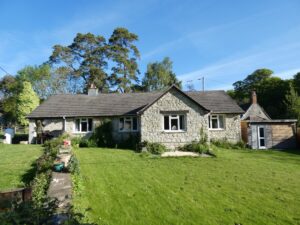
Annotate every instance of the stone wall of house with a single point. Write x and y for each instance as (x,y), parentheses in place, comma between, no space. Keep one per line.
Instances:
(231,131)
(173,101)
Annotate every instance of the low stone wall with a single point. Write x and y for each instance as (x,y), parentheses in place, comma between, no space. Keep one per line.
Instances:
(9,196)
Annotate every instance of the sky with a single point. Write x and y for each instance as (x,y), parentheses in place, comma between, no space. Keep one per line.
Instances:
(222,41)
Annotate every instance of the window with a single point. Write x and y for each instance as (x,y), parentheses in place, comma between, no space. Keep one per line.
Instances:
(128,124)
(174,122)
(261,137)
(216,122)
(84,125)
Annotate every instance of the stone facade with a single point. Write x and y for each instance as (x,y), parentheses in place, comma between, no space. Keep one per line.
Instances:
(56,127)
(175,102)
(231,131)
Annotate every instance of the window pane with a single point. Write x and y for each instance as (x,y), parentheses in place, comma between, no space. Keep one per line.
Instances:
(214,123)
(209,121)
(77,127)
(221,121)
(121,124)
(181,122)
(127,125)
(134,123)
(174,124)
(261,132)
(90,121)
(84,126)
(166,123)
(262,142)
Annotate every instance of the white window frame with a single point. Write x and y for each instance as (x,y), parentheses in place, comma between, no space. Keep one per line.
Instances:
(259,137)
(80,129)
(174,116)
(127,118)
(216,116)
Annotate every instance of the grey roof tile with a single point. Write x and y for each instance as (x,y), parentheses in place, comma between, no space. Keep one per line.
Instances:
(115,104)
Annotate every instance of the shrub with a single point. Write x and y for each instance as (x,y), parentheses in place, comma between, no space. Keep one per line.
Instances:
(75,141)
(102,135)
(132,142)
(155,148)
(73,166)
(40,185)
(224,143)
(195,147)
(87,143)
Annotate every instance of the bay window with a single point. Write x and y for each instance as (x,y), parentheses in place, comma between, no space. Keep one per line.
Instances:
(84,125)
(216,122)
(128,124)
(174,122)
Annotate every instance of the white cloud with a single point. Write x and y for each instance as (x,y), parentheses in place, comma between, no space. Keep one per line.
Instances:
(232,68)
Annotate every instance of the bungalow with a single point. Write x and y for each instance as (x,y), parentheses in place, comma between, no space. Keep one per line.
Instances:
(171,117)
(259,131)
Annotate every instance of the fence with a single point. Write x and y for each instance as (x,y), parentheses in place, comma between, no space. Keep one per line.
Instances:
(14,195)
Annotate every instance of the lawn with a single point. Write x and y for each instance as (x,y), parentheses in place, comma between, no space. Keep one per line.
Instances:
(16,164)
(237,187)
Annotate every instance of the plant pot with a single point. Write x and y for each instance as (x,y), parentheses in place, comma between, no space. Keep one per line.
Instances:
(58,167)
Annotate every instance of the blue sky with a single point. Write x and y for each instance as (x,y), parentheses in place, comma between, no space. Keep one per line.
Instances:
(221,40)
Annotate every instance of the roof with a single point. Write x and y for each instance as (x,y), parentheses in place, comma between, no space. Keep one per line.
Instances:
(275,121)
(256,113)
(117,104)
(216,101)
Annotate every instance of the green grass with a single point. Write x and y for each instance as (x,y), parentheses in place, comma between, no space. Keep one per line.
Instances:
(237,187)
(16,164)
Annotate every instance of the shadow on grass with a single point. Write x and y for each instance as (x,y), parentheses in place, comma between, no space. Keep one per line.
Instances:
(292,151)
(28,176)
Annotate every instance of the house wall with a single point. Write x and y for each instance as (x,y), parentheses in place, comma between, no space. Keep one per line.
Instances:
(56,127)
(231,131)
(152,121)
(284,135)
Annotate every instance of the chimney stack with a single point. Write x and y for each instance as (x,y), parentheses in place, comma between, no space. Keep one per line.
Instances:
(93,90)
(254,97)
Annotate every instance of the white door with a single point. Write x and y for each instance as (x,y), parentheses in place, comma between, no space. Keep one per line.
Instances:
(261,137)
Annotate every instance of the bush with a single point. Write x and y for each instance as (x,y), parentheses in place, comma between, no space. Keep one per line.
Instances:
(73,166)
(19,137)
(75,141)
(132,142)
(224,143)
(87,143)
(195,147)
(102,135)
(40,185)
(156,148)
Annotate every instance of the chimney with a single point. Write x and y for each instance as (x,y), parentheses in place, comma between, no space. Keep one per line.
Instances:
(93,90)
(254,97)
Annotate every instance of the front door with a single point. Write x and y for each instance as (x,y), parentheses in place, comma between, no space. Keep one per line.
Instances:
(261,137)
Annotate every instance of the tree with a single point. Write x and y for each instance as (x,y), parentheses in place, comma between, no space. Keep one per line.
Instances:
(84,61)
(270,90)
(292,103)
(9,88)
(160,75)
(252,82)
(43,80)
(27,101)
(124,55)
(296,82)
